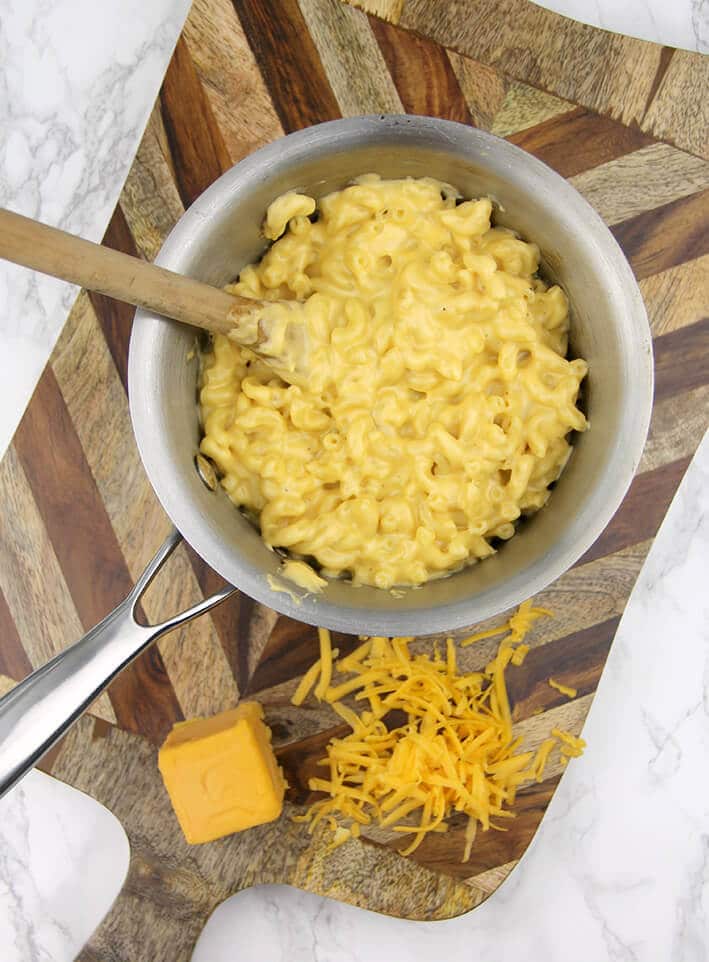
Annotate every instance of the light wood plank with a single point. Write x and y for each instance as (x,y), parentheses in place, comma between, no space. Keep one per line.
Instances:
(677,423)
(677,297)
(679,111)
(234,86)
(606,72)
(501,105)
(30,577)
(488,881)
(351,57)
(484,88)
(524,107)
(6,685)
(385,9)
(149,199)
(94,395)
(641,181)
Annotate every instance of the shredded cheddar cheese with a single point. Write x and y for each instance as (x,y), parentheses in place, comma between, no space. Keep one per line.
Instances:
(517,626)
(453,752)
(325,663)
(572,746)
(564,689)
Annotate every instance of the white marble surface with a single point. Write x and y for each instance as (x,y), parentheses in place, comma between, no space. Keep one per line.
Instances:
(78,79)
(676,23)
(621,864)
(63,859)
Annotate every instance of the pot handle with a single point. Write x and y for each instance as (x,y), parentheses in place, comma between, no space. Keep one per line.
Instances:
(42,708)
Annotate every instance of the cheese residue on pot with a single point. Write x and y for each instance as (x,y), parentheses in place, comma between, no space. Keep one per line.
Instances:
(453,752)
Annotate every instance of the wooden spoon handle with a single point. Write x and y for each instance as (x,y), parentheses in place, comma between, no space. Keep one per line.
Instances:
(51,251)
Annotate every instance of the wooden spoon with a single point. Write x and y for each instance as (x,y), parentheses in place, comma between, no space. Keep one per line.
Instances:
(52,251)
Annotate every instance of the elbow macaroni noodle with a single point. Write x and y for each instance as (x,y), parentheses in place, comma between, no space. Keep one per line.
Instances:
(439,401)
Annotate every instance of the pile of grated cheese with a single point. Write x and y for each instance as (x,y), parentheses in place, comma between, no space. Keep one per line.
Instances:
(453,753)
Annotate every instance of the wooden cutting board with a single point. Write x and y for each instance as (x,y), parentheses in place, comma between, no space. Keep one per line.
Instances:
(626,122)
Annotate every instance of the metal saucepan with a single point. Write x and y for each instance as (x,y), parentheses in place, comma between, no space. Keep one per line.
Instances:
(212,241)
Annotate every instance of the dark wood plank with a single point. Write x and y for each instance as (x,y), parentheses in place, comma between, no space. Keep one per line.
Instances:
(231,618)
(667,236)
(291,649)
(576,660)
(13,658)
(299,761)
(422,74)
(198,150)
(580,140)
(640,515)
(46,763)
(288,61)
(682,360)
(442,852)
(87,550)
(116,317)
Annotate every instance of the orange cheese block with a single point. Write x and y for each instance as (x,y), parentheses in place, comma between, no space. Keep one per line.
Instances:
(221,773)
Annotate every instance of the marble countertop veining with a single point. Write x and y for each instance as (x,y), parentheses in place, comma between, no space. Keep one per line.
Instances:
(620,866)
(78,79)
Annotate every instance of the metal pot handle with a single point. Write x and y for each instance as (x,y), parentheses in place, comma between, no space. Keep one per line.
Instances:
(38,711)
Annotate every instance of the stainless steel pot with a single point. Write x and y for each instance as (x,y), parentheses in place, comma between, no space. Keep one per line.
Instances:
(212,241)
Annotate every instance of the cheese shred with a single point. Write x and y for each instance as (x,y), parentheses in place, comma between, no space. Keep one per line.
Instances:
(564,689)
(429,743)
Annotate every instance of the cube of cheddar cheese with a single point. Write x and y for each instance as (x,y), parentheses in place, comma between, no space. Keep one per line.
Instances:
(221,773)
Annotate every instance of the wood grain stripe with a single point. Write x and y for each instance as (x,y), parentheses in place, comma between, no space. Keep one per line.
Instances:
(442,852)
(500,104)
(677,423)
(679,110)
(525,107)
(292,648)
(640,515)
(197,146)
(484,89)
(228,617)
(6,684)
(115,316)
(150,200)
(642,181)
(667,236)
(682,360)
(422,73)
(83,539)
(493,878)
(98,407)
(666,55)
(576,660)
(606,72)
(351,58)
(13,657)
(230,77)
(31,579)
(677,297)
(289,62)
(557,141)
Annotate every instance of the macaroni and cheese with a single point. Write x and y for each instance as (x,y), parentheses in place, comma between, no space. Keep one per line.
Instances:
(439,399)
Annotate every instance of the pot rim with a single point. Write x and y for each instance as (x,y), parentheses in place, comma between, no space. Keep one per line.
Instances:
(623,459)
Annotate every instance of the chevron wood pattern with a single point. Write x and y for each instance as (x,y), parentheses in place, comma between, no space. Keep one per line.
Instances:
(627,123)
